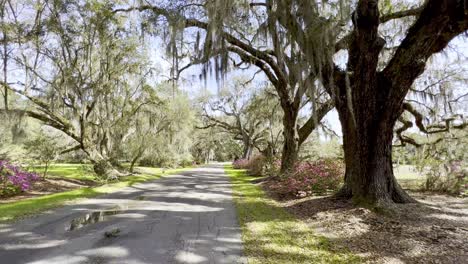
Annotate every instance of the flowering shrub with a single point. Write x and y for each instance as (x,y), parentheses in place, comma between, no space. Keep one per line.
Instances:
(272,167)
(311,177)
(450,177)
(255,165)
(14,179)
(240,164)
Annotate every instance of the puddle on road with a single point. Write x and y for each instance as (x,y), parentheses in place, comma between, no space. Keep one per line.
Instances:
(92,218)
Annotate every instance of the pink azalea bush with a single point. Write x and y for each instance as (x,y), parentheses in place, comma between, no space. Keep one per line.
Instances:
(240,164)
(310,177)
(255,165)
(14,179)
(448,177)
(273,167)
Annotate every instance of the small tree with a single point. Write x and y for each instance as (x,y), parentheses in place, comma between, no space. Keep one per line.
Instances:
(43,149)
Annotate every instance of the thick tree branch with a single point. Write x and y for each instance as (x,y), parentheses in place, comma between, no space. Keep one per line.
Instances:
(400,14)
(438,24)
(74,148)
(344,42)
(434,128)
(314,120)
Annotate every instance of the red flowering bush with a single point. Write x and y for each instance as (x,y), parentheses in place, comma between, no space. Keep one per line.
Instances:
(310,177)
(13,179)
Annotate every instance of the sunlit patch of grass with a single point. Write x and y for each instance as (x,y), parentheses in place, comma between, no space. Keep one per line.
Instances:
(69,171)
(31,206)
(271,234)
(408,177)
(149,170)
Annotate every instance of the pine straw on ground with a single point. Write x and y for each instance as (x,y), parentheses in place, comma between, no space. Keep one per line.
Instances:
(435,230)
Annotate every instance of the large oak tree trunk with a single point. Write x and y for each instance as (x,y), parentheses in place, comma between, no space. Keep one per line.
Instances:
(291,140)
(248,148)
(369,175)
(368,116)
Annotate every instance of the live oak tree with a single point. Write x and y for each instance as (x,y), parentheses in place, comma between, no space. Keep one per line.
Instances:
(145,127)
(282,62)
(78,74)
(266,107)
(79,69)
(370,101)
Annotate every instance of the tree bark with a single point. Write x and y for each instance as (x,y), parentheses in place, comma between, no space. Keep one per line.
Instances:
(132,164)
(247,151)
(5,59)
(46,168)
(369,175)
(368,116)
(135,159)
(291,140)
(101,164)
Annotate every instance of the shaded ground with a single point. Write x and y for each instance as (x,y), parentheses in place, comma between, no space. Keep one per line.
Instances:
(435,230)
(185,218)
(432,231)
(271,235)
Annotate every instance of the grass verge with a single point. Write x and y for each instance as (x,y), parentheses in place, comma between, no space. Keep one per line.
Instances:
(272,235)
(70,171)
(15,210)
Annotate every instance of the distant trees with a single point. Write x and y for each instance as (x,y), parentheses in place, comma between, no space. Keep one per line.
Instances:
(85,73)
(163,135)
(213,143)
(246,113)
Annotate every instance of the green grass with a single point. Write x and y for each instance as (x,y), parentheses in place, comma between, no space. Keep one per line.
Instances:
(271,234)
(68,171)
(72,171)
(15,210)
(85,171)
(408,178)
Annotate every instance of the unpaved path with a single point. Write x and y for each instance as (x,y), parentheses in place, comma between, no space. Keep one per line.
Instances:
(184,218)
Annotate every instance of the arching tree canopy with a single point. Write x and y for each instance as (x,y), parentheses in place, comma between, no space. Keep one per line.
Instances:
(365,58)
(295,42)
